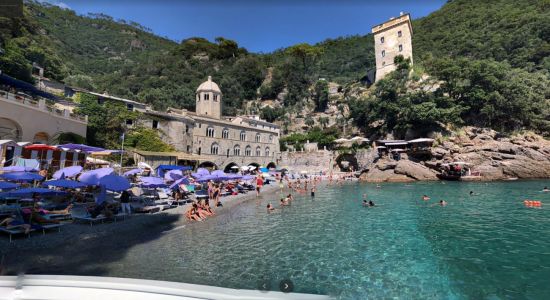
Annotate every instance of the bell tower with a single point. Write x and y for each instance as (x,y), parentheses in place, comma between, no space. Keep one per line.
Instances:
(208,99)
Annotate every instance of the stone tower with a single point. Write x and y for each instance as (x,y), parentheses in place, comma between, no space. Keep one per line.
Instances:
(209,99)
(392,38)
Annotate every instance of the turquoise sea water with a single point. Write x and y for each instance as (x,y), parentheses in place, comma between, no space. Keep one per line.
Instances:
(487,246)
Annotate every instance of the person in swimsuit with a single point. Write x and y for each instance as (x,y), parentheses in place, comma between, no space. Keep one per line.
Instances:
(283,202)
(365,203)
(289,197)
(270,207)
(193,214)
(371,204)
(425,198)
(546,189)
(313,191)
(442,202)
(216,195)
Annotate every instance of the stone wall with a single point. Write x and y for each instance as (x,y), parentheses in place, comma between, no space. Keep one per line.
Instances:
(313,162)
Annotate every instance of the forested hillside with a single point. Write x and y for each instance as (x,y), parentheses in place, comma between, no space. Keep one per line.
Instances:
(489,55)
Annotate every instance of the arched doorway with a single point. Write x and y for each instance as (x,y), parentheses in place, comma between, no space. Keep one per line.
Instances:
(231,168)
(271,165)
(208,165)
(254,164)
(10,130)
(41,138)
(347,162)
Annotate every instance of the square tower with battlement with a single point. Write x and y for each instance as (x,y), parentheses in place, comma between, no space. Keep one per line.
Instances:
(392,38)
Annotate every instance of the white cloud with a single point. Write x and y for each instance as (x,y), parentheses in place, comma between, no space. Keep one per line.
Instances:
(62,5)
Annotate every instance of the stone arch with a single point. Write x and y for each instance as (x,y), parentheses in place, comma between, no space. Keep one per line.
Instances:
(10,130)
(229,167)
(41,138)
(271,165)
(208,165)
(254,164)
(347,161)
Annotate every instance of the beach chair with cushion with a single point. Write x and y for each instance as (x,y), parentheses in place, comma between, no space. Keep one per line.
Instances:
(50,226)
(80,214)
(14,231)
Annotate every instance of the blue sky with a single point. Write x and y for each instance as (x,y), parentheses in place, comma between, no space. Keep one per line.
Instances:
(259,26)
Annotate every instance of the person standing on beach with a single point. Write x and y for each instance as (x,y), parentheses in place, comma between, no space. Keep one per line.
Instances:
(259,184)
(125,202)
(313,191)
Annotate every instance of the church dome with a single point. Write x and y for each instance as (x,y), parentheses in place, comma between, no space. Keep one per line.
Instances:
(209,86)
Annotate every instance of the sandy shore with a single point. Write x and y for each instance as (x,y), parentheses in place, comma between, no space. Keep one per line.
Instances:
(69,251)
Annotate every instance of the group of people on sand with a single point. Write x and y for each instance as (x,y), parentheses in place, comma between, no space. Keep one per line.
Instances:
(33,216)
(199,211)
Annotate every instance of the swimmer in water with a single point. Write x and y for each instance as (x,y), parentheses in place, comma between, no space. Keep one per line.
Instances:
(425,198)
(282,202)
(371,204)
(546,189)
(442,202)
(378,186)
(365,203)
(270,207)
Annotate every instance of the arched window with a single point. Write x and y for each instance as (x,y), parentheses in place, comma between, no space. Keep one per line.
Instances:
(214,148)
(248,151)
(225,133)
(243,135)
(258,137)
(210,132)
(206,96)
(258,151)
(237,150)
(267,151)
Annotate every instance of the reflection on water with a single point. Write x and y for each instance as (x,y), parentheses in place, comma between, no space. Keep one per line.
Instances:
(483,246)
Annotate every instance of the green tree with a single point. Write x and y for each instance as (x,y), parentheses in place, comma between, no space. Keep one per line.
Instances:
(321,95)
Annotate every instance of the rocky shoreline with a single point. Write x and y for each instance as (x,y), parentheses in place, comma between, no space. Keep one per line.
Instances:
(491,155)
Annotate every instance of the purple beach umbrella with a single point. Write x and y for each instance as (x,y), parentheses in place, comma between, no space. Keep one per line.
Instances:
(132,172)
(116,183)
(203,171)
(31,191)
(179,181)
(81,147)
(152,182)
(92,177)
(21,176)
(173,175)
(67,172)
(4,185)
(64,183)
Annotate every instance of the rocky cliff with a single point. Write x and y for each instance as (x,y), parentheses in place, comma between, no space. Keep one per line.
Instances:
(491,155)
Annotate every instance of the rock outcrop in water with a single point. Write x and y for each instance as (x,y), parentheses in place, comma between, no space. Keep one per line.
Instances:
(493,156)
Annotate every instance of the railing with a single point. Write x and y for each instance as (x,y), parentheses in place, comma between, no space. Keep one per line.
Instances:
(42,105)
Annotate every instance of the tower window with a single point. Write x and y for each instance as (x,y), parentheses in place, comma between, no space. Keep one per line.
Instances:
(382,40)
(399,33)
(206,96)
(225,133)
(258,151)
(400,48)
(243,135)
(237,150)
(267,151)
(258,138)
(215,97)
(383,53)
(155,124)
(248,151)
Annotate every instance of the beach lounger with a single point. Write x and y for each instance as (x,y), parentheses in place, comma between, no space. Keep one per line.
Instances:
(14,231)
(89,219)
(59,217)
(50,226)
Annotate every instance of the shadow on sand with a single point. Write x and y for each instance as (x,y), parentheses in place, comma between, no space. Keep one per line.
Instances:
(81,249)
